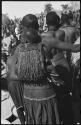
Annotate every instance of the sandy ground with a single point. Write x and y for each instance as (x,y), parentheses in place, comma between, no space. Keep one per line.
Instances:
(6,106)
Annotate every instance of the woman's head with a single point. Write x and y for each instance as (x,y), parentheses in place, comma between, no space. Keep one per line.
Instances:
(30,21)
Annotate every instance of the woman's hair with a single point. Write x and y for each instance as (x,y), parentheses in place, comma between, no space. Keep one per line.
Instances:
(30,21)
(52,19)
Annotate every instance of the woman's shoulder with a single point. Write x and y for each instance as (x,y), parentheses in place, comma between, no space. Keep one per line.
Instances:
(10,59)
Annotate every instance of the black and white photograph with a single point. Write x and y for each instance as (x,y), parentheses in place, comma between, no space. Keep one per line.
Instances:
(40,62)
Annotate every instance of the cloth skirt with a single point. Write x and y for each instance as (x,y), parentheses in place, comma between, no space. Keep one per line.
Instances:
(40,105)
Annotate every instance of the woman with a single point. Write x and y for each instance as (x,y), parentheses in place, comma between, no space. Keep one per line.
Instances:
(40,102)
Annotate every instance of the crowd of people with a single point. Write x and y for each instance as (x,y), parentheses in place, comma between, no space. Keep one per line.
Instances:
(41,75)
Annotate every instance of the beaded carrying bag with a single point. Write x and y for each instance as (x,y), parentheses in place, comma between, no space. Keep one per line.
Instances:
(31,62)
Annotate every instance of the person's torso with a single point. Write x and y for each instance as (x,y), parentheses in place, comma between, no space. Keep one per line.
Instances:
(30,62)
(70,33)
(57,56)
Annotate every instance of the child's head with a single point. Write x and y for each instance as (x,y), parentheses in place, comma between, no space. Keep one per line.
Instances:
(31,36)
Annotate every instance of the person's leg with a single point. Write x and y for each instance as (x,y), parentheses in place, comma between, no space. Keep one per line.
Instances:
(65,98)
(76,100)
(66,76)
(21,115)
(16,91)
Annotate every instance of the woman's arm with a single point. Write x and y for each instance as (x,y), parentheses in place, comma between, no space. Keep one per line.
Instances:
(11,66)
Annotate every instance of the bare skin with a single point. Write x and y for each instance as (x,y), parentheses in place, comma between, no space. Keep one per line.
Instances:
(51,42)
(13,84)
